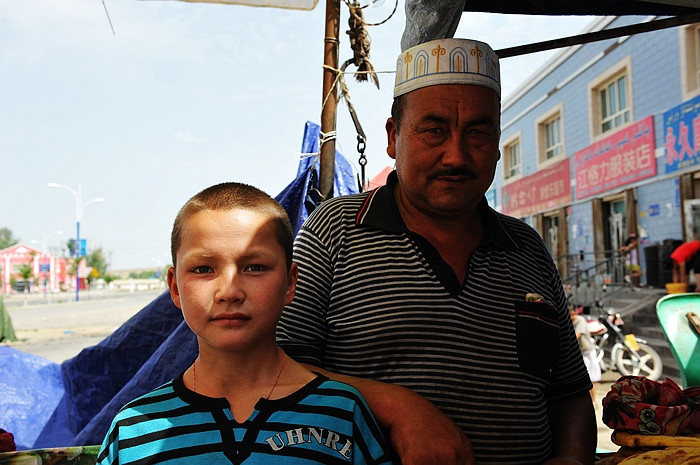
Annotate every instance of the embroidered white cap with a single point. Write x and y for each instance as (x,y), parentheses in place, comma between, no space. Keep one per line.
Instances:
(447,61)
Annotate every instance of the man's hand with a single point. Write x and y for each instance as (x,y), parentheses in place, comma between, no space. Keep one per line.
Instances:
(421,434)
(418,431)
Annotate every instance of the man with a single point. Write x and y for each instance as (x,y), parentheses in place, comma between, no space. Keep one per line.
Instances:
(588,347)
(420,284)
(633,272)
(685,257)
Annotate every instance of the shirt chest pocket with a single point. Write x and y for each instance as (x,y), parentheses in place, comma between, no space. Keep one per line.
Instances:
(537,334)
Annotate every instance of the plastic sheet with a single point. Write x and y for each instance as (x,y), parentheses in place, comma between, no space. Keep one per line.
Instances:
(47,405)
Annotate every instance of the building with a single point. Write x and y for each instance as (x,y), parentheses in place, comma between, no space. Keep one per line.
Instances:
(604,141)
(49,273)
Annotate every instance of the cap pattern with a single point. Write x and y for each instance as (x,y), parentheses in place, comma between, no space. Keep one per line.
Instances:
(447,61)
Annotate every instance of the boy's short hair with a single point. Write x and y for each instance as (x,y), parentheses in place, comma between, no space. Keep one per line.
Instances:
(228,196)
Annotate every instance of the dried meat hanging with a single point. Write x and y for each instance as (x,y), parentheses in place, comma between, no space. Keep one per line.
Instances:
(360,44)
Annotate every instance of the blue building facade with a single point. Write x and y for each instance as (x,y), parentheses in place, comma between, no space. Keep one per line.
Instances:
(603,142)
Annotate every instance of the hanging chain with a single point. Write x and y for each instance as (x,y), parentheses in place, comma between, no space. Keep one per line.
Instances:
(360,44)
(362,160)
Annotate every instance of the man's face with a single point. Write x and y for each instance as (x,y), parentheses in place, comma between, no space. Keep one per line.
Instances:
(446,148)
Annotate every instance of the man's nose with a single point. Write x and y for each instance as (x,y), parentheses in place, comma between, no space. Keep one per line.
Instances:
(457,151)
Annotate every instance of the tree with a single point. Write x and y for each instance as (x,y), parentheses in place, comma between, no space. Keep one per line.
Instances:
(26,271)
(98,262)
(7,239)
(70,245)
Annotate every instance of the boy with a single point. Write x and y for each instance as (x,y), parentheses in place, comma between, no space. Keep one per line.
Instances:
(242,400)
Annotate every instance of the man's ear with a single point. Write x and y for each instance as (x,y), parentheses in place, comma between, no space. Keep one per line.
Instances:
(391,138)
(172,285)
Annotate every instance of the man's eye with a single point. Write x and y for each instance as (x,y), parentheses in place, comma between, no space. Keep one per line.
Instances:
(432,135)
(201,269)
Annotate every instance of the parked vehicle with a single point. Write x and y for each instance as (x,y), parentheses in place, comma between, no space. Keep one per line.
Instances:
(628,353)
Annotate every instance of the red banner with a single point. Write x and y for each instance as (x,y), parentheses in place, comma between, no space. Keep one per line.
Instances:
(623,158)
(544,190)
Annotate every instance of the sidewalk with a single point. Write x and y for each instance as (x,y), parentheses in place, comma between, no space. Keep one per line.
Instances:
(604,432)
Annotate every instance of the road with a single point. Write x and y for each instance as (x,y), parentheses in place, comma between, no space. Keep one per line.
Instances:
(60,330)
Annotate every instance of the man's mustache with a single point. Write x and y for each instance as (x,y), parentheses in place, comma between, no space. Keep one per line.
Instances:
(456,171)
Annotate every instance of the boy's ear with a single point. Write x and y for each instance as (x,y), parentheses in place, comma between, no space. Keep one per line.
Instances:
(172,285)
(291,283)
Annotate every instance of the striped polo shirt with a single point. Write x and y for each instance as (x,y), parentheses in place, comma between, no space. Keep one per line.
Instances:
(376,300)
(325,422)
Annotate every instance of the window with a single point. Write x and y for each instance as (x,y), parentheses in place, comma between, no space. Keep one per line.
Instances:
(550,137)
(611,102)
(614,109)
(512,158)
(553,143)
(690,60)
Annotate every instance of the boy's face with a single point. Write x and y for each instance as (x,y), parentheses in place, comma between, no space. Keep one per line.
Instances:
(231,280)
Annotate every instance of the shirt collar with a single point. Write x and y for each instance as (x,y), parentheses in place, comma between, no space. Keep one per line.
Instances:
(380,211)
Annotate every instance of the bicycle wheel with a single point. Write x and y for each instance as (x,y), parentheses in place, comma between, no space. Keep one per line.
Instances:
(600,357)
(648,365)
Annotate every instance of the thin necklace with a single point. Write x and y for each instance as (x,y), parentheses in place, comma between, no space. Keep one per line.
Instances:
(274,385)
(279,372)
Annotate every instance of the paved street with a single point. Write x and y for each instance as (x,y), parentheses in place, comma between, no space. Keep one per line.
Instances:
(60,330)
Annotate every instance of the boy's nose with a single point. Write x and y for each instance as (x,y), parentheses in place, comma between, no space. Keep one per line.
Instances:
(229,288)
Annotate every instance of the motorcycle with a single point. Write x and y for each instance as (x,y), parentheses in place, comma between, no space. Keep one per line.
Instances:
(631,355)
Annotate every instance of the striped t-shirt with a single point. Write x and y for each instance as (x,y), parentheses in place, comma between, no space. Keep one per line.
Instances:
(325,422)
(375,300)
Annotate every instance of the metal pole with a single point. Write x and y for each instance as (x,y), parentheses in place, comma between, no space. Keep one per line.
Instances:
(78,216)
(329,98)
(78,196)
(598,35)
(77,259)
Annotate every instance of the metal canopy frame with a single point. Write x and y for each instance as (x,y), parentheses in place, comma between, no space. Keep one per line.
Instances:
(680,11)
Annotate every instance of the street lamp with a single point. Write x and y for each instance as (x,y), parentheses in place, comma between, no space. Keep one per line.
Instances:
(79,205)
(44,244)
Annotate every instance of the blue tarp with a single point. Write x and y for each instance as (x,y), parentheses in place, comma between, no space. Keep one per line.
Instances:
(45,404)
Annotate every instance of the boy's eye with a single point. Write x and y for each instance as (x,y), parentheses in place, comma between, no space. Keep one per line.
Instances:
(201,269)
(256,268)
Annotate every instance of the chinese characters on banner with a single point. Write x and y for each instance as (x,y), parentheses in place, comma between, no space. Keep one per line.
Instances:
(620,159)
(682,135)
(544,190)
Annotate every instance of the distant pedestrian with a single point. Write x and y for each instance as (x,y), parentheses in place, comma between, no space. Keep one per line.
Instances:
(685,257)
(587,345)
(633,271)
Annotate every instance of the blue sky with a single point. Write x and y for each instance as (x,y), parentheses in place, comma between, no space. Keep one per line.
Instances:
(183,96)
